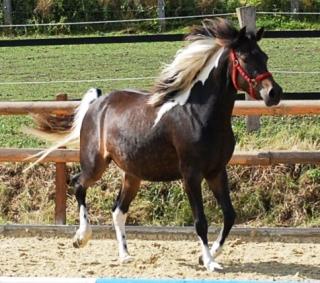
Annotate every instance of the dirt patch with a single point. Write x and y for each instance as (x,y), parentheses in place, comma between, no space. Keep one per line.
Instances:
(38,256)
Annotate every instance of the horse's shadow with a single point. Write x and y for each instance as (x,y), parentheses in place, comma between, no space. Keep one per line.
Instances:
(268,268)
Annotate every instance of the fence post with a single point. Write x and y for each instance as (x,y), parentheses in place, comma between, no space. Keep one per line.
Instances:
(161,15)
(7,13)
(247,17)
(61,182)
(295,5)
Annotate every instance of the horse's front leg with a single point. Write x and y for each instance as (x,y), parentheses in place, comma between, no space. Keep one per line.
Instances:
(218,184)
(192,185)
(84,233)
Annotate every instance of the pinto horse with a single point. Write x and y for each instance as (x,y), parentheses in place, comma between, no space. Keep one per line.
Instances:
(181,130)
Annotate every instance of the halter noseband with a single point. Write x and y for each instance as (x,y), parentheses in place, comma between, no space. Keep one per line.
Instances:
(252,82)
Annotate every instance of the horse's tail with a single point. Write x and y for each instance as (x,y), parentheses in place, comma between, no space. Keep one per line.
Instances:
(73,135)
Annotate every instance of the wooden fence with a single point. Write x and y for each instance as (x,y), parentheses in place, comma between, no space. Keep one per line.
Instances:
(264,158)
(285,107)
(61,156)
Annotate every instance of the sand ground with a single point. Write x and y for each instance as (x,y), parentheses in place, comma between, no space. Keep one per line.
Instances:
(55,257)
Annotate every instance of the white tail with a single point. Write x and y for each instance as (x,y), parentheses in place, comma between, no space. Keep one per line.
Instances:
(91,95)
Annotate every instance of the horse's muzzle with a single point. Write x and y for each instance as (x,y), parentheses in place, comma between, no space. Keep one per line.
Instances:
(274,95)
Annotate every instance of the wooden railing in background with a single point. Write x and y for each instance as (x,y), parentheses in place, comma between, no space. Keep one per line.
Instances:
(264,158)
(62,156)
(285,107)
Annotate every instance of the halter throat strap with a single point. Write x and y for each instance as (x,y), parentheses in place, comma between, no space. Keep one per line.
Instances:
(238,70)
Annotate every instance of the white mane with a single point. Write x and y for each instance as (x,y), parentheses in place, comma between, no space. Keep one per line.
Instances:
(183,72)
(181,97)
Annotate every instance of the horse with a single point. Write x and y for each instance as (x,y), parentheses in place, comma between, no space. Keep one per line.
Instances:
(181,129)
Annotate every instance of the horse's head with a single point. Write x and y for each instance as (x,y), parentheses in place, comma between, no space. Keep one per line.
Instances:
(248,63)
(249,70)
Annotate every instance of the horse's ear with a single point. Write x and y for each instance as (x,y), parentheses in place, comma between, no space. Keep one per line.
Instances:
(259,34)
(242,33)
(239,36)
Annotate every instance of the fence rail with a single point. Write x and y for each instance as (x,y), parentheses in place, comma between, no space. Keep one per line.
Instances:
(264,158)
(138,38)
(286,107)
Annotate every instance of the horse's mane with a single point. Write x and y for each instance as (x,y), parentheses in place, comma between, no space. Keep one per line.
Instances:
(205,40)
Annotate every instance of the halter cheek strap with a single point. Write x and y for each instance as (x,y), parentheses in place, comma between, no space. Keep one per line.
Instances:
(252,82)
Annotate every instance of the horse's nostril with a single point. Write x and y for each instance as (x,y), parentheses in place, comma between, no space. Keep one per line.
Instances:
(272,93)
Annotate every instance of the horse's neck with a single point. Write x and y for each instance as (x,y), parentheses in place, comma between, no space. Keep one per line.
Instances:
(214,100)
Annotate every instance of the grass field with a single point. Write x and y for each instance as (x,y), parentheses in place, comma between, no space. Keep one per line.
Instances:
(85,62)
(268,196)
(114,61)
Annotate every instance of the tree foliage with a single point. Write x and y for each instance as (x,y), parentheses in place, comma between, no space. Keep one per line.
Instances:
(61,11)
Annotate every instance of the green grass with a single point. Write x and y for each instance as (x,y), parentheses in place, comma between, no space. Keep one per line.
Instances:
(131,60)
(283,133)
(89,62)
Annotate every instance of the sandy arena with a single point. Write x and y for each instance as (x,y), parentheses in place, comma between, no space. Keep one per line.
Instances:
(55,257)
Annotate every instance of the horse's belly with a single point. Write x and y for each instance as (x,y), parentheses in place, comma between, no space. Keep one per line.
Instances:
(157,163)
(157,172)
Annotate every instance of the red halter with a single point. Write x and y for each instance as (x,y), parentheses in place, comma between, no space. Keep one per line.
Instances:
(236,67)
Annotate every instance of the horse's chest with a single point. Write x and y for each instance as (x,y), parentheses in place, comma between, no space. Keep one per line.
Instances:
(209,149)
(221,149)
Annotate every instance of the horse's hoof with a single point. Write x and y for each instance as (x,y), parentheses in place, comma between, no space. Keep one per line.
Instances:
(213,266)
(80,242)
(77,243)
(126,259)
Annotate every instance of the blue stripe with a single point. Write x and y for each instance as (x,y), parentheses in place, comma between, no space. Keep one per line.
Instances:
(137,280)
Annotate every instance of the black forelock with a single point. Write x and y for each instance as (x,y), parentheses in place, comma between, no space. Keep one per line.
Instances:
(218,28)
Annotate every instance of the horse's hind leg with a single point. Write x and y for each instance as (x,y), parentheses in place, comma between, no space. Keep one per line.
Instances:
(84,232)
(92,170)
(218,184)
(130,186)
